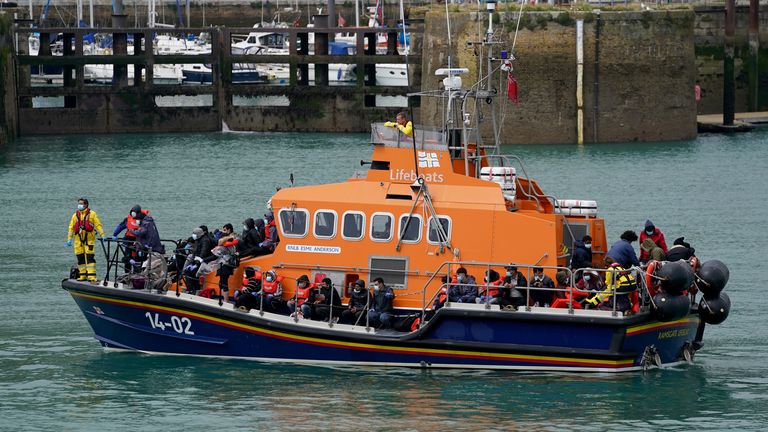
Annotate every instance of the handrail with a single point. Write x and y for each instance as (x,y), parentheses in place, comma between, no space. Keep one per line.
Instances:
(573,277)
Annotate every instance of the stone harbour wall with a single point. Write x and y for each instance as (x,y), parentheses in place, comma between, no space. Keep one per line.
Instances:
(642,91)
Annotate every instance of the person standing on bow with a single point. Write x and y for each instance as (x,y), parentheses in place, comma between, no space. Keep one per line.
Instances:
(651,232)
(82,229)
(402,124)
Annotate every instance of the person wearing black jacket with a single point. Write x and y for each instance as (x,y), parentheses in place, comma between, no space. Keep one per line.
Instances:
(582,253)
(680,250)
(200,252)
(359,301)
(250,239)
(380,312)
(324,298)
(515,287)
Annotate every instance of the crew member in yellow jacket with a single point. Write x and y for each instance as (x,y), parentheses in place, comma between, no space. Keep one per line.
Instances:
(83,227)
(405,126)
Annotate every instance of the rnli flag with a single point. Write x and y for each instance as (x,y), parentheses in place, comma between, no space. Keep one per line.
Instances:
(428,160)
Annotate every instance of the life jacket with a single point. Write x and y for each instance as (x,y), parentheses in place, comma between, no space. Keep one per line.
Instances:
(83,224)
(302,294)
(443,296)
(132,223)
(624,283)
(271,287)
(492,288)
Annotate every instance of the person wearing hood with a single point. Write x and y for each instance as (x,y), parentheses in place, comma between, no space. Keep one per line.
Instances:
(146,233)
(622,251)
(582,253)
(651,251)
(680,250)
(271,239)
(200,252)
(651,232)
(359,301)
(129,223)
(590,282)
(250,238)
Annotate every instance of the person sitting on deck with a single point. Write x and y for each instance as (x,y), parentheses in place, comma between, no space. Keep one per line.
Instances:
(200,252)
(247,297)
(380,312)
(249,239)
(271,239)
(305,296)
(561,277)
(489,291)
(541,297)
(226,251)
(402,124)
(680,250)
(463,289)
(619,283)
(590,282)
(325,298)
(359,301)
(622,251)
(654,234)
(650,251)
(513,282)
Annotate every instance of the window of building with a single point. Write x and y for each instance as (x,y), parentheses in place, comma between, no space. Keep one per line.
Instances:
(353,226)
(293,222)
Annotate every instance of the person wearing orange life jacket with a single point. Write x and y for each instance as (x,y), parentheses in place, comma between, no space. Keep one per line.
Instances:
(490,291)
(83,227)
(304,298)
(271,290)
(130,222)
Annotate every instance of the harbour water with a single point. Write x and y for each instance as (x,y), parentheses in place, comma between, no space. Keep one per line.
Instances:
(55,376)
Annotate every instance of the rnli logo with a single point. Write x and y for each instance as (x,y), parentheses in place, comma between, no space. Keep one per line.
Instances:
(428,160)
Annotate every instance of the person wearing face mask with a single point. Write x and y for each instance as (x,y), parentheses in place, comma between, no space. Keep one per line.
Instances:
(582,253)
(651,232)
(541,297)
(489,291)
(82,230)
(305,297)
(130,222)
(249,239)
(463,288)
(200,252)
(359,301)
(590,282)
(327,297)
(514,287)
(271,239)
(380,313)
(146,233)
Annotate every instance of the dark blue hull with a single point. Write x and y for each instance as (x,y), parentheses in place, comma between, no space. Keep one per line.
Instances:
(137,320)
(241,76)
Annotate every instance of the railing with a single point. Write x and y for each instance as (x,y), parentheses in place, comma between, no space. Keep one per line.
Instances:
(149,265)
(607,285)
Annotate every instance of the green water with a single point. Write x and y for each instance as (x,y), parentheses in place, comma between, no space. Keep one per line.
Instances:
(55,376)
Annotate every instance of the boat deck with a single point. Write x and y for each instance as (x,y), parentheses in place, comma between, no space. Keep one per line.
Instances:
(743,122)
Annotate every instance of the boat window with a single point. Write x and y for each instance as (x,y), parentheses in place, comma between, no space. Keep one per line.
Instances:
(410,231)
(293,223)
(393,270)
(325,224)
(381,227)
(434,235)
(353,226)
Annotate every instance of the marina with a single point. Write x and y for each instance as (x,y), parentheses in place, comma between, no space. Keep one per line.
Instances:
(407,259)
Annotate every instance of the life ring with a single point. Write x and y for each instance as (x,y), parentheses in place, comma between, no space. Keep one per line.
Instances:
(649,283)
